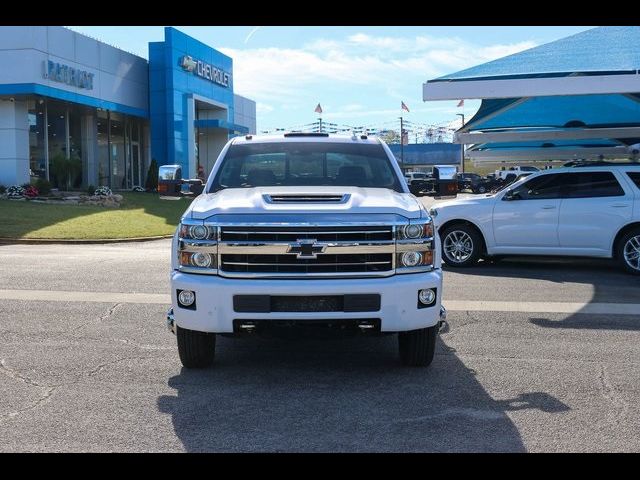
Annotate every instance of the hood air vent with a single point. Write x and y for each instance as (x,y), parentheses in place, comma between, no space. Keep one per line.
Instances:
(306,198)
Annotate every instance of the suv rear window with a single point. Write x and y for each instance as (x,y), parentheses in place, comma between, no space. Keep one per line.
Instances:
(635,178)
(305,164)
(592,184)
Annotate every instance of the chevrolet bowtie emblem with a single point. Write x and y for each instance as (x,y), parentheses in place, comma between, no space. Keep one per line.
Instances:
(188,63)
(306,248)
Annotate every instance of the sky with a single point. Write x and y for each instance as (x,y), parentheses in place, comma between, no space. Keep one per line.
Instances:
(359,75)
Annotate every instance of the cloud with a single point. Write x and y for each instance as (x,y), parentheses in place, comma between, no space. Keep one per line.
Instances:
(282,74)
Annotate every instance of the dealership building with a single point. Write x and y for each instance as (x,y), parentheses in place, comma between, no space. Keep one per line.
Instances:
(64,95)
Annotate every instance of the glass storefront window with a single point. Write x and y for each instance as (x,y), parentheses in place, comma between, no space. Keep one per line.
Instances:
(37,152)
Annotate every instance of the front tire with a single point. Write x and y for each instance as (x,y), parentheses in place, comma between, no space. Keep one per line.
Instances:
(461,246)
(417,347)
(628,251)
(196,349)
(482,189)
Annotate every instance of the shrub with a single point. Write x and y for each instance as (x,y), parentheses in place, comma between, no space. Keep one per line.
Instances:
(2,189)
(43,185)
(65,170)
(138,188)
(103,191)
(31,192)
(91,190)
(152,177)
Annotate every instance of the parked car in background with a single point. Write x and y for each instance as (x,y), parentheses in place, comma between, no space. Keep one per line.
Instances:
(466,181)
(411,176)
(517,170)
(591,211)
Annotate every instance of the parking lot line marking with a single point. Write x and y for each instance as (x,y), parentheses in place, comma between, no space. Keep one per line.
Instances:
(543,307)
(451,305)
(79,296)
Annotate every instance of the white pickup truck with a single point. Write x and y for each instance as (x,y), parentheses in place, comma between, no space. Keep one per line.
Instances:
(301,230)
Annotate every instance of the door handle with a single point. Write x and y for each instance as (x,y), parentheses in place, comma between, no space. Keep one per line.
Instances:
(619,205)
(548,207)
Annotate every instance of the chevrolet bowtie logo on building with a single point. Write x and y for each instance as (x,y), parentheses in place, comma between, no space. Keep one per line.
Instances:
(188,63)
(307,248)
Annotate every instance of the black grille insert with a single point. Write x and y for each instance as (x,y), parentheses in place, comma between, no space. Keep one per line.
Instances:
(313,303)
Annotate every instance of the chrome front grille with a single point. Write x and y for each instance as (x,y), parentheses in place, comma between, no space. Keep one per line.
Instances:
(306,251)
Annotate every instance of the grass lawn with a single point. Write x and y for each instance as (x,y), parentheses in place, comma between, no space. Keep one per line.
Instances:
(140,215)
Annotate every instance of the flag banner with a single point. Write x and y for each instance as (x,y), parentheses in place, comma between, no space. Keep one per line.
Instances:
(461,103)
(403,106)
(318,109)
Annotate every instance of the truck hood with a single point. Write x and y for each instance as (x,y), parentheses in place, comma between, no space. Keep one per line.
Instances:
(256,201)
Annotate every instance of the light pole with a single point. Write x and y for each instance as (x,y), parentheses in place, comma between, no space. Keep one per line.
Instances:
(462,161)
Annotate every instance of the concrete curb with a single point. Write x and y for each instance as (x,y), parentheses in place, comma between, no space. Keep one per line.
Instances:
(36,241)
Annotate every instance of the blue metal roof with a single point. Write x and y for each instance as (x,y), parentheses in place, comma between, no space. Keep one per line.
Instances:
(603,49)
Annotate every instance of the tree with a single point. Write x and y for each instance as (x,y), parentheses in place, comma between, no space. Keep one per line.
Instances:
(151,185)
(390,136)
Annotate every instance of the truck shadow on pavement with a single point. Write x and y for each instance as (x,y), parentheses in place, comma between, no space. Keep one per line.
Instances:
(340,395)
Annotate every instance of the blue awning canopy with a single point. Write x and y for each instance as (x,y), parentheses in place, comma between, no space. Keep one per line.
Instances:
(576,97)
(222,124)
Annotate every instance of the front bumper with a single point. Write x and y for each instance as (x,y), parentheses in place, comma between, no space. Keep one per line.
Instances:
(214,300)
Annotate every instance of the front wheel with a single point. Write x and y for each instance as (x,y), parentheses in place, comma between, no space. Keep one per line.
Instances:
(482,189)
(417,347)
(461,246)
(196,349)
(628,251)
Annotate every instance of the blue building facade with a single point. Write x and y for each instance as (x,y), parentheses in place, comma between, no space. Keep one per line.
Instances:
(69,95)
(191,101)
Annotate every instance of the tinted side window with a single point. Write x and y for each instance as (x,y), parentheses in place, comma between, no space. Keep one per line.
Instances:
(635,178)
(592,184)
(540,188)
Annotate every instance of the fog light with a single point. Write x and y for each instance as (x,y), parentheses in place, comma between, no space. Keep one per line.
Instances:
(411,259)
(186,298)
(200,259)
(427,296)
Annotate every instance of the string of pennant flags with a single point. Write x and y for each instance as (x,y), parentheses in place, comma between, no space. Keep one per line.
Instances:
(420,132)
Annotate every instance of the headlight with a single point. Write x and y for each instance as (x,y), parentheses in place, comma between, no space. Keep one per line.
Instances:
(414,247)
(410,259)
(197,248)
(415,231)
(197,232)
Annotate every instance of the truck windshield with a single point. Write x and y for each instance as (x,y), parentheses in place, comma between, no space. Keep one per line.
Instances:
(300,164)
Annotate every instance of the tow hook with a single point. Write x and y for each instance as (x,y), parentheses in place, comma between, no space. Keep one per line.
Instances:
(443,325)
(171,324)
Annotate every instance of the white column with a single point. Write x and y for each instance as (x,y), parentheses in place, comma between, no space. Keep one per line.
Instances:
(14,142)
(89,138)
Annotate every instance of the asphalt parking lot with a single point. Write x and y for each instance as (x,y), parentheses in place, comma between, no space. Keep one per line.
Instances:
(541,355)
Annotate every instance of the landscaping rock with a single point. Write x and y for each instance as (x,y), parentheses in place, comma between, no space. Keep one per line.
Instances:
(117,197)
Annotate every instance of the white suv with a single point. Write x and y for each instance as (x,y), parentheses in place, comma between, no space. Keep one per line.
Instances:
(586,210)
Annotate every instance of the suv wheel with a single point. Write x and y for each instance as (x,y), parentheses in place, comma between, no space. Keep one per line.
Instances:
(417,347)
(628,251)
(461,246)
(196,349)
(482,189)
